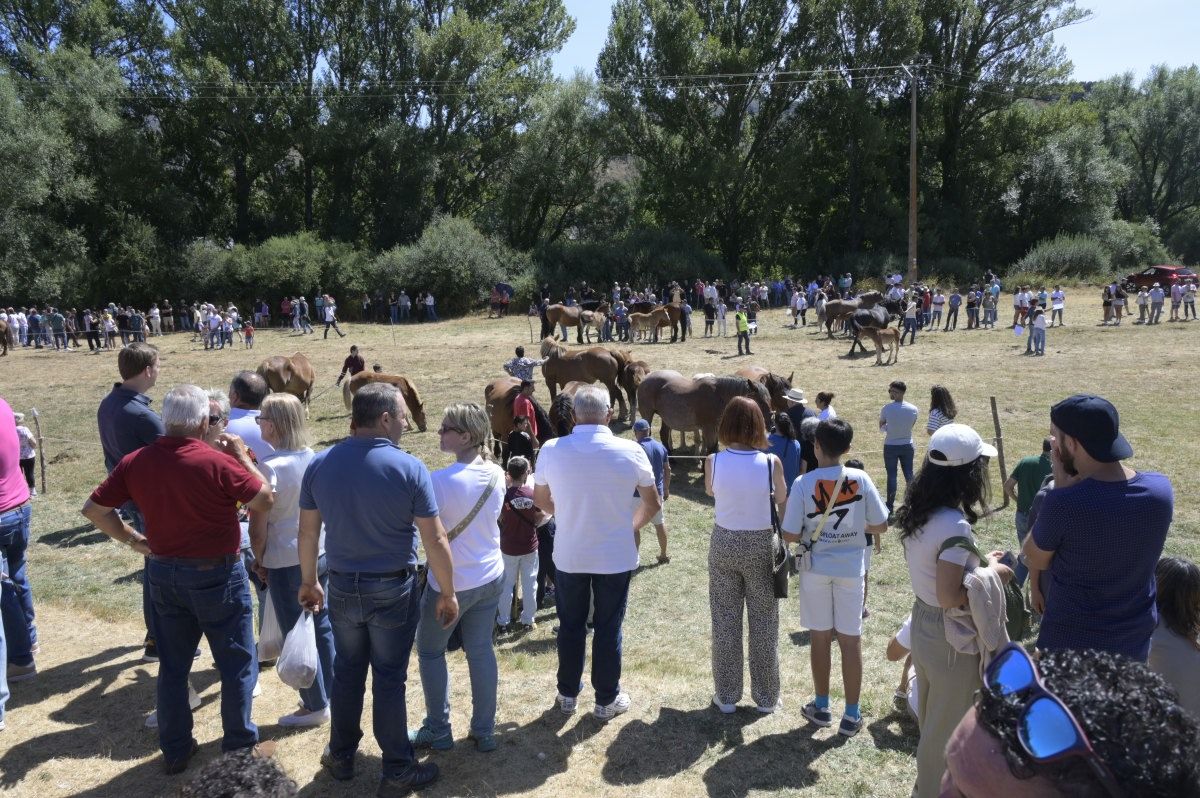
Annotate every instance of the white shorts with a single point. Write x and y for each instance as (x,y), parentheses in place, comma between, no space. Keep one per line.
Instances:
(831,602)
(658,517)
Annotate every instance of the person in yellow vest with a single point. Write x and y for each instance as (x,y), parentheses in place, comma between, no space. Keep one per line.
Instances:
(742,324)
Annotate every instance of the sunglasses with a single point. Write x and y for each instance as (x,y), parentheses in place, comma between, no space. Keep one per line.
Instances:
(260,419)
(1047,730)
(214,419)
(446,429)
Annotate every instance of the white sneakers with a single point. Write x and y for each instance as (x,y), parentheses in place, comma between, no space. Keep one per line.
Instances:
(302,717)
(193,704)
(727,709)
(565,704)
(619,705)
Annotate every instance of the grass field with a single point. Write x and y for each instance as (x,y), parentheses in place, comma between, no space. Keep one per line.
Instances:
(77,728)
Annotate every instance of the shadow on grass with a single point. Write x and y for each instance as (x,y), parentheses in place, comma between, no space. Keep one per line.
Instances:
(895,732)
(134,578)
(671,744)
(801,638)
(774,763)
(82,535)
(690,485)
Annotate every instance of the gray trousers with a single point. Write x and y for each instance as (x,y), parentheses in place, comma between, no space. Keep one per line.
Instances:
(740,580)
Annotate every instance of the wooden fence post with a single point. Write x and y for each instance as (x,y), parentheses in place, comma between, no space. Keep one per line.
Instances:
(41,444)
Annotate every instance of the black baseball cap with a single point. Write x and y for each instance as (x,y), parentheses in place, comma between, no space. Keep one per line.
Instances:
(1093,421)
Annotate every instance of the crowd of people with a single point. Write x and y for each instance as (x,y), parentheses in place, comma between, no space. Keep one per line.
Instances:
(225,500)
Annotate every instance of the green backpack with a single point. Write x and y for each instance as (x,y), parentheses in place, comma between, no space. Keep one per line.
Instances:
(1018,617)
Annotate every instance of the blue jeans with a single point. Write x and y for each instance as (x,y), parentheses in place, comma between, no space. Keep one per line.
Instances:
(430,313)
(1039,341)
(910,329)
(374,621)
(476,618)
(138,522)
(284,584)
(893,454)
(214,602)
(3,652)
(576,592)
(16,597)
(1021,572)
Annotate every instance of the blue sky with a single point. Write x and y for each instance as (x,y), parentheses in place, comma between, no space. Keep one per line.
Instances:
(1121,36)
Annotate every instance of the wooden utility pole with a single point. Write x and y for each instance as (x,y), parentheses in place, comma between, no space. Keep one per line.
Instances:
(912,176)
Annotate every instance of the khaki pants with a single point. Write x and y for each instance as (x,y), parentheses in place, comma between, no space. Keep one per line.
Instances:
(946,685)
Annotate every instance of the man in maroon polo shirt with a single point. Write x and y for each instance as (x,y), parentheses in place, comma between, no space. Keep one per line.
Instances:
(188,492)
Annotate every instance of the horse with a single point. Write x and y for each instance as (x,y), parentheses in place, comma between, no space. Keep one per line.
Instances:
(631,374)
(588,365)
(841,309)
(694,405)
(562,409)
(889,337)
(292,375)
(593,320)
(776,386)
(571,316)
(674,315)
(868,318)
(650,322)
(498,396)
(412,399)
(3,338)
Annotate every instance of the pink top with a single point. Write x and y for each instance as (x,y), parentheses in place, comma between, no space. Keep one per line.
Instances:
(13,490)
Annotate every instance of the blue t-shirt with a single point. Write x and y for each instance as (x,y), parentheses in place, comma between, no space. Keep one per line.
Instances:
(955,300)
(368,492)
(126,424)
(1106,538)
(788,452)
(658,458)
(898,418)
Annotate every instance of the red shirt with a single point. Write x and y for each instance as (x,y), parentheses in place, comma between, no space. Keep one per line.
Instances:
(248,330)
(188,493)
(518,535)
(523,406)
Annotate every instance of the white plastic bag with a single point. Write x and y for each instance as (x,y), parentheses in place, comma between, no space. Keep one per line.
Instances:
(297,665)
(270,636)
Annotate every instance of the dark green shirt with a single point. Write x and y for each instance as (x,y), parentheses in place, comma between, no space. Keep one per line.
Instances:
(1029,474)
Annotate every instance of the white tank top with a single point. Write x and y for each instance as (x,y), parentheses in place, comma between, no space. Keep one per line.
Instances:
(741,489)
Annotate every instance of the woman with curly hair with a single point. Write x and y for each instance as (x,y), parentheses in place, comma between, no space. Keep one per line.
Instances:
(946,498)
(941,408)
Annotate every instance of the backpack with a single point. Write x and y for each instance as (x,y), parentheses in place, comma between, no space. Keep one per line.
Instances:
(1018,619)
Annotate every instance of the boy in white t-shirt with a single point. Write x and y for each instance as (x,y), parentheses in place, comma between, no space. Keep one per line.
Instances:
(831,593)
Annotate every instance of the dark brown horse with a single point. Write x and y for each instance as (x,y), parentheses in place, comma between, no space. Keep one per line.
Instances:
(292,375)
(562,409)
(412,399)
(776,386)
(498,396)
(695,404)
(3,338)
(840,310)
(588,365)
(631,374)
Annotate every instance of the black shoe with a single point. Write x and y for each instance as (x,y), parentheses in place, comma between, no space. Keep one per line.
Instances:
(340,769)
(173,766)
(149,651)
(420,776)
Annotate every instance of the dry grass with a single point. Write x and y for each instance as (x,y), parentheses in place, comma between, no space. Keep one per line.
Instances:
(77,728)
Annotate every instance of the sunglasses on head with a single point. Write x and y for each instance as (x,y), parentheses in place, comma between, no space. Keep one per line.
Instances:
(214,419)
(1046,728)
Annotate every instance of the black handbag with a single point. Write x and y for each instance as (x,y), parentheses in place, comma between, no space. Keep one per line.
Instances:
(783,565)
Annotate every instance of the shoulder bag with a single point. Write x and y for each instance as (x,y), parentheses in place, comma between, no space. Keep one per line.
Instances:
(1017,615)
(804,553)
(783,564)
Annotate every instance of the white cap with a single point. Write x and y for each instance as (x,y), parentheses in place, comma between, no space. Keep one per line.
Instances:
(795,395)
(957,444)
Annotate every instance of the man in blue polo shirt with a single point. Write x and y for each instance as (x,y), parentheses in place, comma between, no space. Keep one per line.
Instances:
(127,424)
(372,498)
(660,464)
(1100,533)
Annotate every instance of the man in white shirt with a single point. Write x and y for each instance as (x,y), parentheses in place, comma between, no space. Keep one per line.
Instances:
(585,480)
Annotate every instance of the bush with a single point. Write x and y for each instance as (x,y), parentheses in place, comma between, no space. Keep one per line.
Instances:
(1080,257)
(1132,246)
(452,259)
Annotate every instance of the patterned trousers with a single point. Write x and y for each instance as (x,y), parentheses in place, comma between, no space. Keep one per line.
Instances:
(740,580)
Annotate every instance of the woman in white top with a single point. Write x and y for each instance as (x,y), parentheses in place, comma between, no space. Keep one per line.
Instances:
(274,538)
(470,490)
(741,479)
(941,409)
(944,500)
(825,404)
(1175,646)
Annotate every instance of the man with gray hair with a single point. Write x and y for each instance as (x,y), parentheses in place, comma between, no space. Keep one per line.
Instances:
(372,498)
(189,493)
(585,480)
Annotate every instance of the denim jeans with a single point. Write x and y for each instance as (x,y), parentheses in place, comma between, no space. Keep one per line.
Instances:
(893,454)
(374,620)
(910,329)
(213,602)
(284,584)
(524,566)
(1039,341)
(576,593)
(1021,572)
(546,573)
(16,597)
(3,652)
(476,617)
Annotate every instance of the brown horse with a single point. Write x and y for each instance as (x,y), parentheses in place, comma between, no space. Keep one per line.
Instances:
(887,337)
(843,309)
(650,322)
(694,404)
(588,365)
(3,338)
(558,315)
(412,399)
(498,396)
(292,375)
(632,372)
(776,386)
(593,320)
(674,315)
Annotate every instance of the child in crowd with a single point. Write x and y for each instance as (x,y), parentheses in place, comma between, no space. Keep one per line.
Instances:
(519,520)
(248,335)
(520,441)
(830,512)
(722,328)
(1039,332)
(28,453)
(900,648)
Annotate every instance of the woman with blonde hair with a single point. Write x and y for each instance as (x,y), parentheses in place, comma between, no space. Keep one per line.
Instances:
(274,538)
(744,481)
(470,495)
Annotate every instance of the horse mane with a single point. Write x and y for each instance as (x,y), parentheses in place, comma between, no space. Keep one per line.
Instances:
(735,385)
(563,407)
(624,357)
(775,384)
(552,348)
